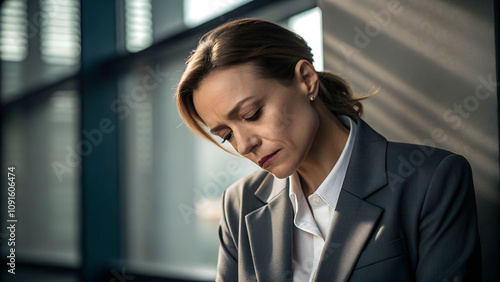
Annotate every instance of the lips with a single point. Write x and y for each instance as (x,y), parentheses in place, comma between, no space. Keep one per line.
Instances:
(266,161)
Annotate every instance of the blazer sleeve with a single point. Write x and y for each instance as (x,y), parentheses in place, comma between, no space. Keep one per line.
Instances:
(227,264)
(449,247)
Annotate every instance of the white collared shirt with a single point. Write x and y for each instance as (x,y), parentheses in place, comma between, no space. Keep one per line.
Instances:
(311,229)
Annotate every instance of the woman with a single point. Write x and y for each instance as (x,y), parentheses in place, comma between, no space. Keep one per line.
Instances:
(335,200)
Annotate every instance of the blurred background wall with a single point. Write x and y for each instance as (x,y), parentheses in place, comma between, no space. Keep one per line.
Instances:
(433,64)
(111,186)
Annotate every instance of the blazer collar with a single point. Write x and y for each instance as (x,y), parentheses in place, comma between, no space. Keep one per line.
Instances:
(270,188)
(366,172)
(352,225)
(270,231)
(355,219)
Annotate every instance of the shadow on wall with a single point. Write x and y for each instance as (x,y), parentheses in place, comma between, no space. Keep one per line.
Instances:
(434,65)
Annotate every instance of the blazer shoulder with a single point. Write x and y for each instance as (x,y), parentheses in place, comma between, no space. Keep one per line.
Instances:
(417,154)
(421,164)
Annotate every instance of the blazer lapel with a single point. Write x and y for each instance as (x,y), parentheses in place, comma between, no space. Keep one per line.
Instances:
(354,218)
(270,233)
(352,225)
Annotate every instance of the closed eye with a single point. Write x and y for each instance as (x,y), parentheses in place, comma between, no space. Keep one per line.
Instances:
(255,116)
(227,137)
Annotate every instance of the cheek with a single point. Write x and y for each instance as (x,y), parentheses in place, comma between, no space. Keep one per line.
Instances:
(304,129)
(294,123)
(284,117)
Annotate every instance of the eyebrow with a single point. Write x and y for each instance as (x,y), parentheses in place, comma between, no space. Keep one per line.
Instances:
(231,113)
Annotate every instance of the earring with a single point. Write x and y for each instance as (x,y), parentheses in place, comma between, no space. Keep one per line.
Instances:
(311,98)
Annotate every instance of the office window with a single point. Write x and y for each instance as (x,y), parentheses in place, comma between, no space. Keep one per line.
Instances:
(308,25)
(60,31)
(138,24)
(39,44)
(200,11)
(39,139)
(13,30)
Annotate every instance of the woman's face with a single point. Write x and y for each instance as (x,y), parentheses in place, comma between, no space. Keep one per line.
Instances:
(266,122)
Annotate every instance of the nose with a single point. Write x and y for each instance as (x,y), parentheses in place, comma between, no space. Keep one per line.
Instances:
(246,141)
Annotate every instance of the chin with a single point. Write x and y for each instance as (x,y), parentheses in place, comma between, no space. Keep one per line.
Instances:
(280,172)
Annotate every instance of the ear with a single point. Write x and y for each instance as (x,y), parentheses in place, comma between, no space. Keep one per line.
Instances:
(307,77)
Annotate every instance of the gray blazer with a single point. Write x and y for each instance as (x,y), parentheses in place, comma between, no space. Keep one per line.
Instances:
(405,213)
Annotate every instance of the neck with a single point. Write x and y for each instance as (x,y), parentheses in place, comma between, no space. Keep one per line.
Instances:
(329,142)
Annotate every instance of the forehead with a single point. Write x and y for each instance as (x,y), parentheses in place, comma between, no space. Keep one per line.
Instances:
(222,89)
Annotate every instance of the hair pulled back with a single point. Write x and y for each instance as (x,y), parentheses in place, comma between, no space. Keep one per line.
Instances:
(272,50)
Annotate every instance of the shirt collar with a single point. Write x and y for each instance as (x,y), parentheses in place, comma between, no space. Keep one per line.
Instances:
(329,189)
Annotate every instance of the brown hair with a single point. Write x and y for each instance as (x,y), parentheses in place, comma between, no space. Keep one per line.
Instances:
(272,49)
